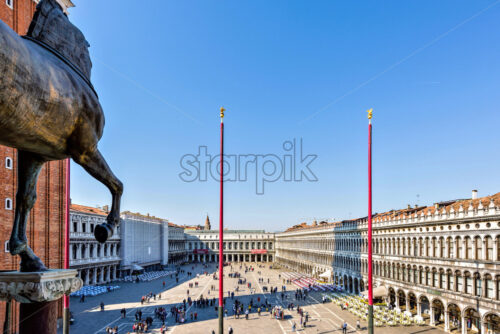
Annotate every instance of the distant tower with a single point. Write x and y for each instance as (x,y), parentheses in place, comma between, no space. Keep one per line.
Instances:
(207,224)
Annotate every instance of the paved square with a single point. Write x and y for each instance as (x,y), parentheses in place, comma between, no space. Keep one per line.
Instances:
(324,318)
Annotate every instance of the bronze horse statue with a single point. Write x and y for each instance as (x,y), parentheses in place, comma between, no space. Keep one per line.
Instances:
(49,110)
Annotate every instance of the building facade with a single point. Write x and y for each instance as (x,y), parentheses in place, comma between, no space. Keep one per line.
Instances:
(45,228)
(96,263)
(239,245)
(440,261)
(176,245)
(144,241)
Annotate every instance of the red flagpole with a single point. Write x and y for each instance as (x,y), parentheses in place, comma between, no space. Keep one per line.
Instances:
(370,278)
(66,244)
(221,226)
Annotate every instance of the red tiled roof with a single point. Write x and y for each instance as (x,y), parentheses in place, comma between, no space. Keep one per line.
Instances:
(443,207)
(88,209)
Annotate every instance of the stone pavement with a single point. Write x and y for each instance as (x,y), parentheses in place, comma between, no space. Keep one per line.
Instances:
(324,318)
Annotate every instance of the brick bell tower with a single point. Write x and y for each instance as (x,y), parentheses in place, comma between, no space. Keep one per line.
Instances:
(45,228)
(208,227)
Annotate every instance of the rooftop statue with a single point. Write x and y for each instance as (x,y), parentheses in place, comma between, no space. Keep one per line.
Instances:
(49,110)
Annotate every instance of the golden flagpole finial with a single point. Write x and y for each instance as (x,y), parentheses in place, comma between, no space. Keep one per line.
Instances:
(370,113)
(222,112)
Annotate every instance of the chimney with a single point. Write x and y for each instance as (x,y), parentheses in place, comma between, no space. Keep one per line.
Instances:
(416,206)
(105,208)
(474,194)
(409,206)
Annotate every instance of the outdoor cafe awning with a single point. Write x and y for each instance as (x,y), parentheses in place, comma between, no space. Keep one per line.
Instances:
(378,292)
(326,274)
(136,267)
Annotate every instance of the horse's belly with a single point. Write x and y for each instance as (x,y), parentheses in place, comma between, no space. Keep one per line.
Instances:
(41,102)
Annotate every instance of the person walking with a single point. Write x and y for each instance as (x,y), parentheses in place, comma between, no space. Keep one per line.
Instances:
(102,306)
(344,327)
(358,326)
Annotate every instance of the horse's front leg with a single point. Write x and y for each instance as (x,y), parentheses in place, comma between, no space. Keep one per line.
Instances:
(93,162)
(29,166)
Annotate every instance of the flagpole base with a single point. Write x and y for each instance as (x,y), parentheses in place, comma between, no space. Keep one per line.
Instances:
(370,319)
(221,319)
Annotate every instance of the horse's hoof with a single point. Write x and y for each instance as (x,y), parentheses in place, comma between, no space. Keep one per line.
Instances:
(31,263)
(17,247)
(103,232)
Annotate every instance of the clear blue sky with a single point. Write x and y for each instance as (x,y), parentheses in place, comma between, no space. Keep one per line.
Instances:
(288,70)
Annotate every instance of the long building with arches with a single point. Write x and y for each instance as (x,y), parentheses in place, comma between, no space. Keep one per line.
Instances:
(440,261)
(239,245)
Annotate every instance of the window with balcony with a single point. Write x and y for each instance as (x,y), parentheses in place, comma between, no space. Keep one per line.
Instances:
(75,227)
(84,227)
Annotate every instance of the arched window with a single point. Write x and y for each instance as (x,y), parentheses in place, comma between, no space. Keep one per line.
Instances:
(468,282)
(458,254)
(488,241)
(442,279)
(8,163)
(451,280)
(460,286)
(451,248)
(478,286)
(468,247)
(479,248)
(8,204)
(489,286)
(428,247)
(441,247)
(435,246)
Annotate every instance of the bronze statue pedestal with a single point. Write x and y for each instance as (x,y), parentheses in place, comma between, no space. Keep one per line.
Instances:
(38,293)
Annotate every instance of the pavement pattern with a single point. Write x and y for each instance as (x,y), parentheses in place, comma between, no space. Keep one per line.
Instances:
(324,318)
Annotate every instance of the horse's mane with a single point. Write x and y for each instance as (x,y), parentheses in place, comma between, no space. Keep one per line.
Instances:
(51,26)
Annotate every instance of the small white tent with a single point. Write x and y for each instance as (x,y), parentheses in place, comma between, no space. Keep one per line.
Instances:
(326,274)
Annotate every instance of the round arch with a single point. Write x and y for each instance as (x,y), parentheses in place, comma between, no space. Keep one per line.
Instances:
(455,315)
(491,322)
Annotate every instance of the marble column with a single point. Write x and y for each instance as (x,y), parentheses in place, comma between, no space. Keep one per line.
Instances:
(419,308)
(431,315)
(446,321)
(464,325)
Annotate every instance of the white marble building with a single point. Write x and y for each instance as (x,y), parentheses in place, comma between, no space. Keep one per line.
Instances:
(440,261)
(176,245)
(96,263)
(144,242)
(239,245)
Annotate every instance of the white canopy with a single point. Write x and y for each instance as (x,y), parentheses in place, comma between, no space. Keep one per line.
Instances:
(326,274)
(380,291)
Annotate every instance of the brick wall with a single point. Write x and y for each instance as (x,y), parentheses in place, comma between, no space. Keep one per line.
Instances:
(45,229)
